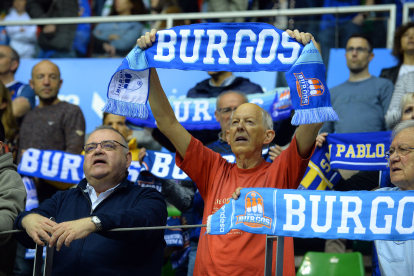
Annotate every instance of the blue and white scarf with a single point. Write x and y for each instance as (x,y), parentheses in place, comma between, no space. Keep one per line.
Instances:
(234,47)
(356,215)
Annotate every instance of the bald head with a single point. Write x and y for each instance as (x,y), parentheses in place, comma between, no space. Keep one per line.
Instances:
(45,64)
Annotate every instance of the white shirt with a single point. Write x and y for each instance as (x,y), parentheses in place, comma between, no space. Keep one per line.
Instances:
(96,200)
(22,38)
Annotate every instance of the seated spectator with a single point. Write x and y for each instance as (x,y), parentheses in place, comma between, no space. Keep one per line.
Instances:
(12,202)
(22,95)
(403,50)
(163,7)
(405,84)
(401,162)
(103,200)
(9,123)
(22,38)
(117,39)
(231,6)
(362,101)
(55,41)
(341,26)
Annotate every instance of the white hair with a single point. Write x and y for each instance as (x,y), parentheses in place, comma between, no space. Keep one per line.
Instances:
(401,126)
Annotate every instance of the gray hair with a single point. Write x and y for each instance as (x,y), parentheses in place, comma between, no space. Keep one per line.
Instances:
(229,92)
(408,98)
(267,120)
(104,127)
(401,126)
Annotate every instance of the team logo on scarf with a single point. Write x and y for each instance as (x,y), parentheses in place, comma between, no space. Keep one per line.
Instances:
(308,87)
(128,80)
(254,212)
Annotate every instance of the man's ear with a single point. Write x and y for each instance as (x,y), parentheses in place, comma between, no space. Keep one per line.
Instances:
(31,84)
(270,134)
(371,56)
(215,116)
(14,65)
(129,159)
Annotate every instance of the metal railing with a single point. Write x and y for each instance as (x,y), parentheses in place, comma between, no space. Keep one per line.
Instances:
(406,12)
(171,17)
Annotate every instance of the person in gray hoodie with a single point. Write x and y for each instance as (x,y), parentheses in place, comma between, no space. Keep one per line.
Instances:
(12,202)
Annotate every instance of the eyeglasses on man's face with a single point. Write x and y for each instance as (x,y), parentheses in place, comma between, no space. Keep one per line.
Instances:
(226,110)
(400,151)
(359,50)
(107,145)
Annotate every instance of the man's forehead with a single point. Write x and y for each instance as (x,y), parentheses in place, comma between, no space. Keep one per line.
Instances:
(231,98)
(357,41)
(46,67)
(406,136)
(248,109)
(103,135)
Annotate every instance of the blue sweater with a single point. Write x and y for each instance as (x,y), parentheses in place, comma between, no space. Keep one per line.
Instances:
(108,253)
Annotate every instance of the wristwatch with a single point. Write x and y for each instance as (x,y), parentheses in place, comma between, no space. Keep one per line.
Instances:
(97,223)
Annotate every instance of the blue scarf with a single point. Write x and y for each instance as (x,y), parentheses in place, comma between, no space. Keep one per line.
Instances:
(234,47)
(356,215)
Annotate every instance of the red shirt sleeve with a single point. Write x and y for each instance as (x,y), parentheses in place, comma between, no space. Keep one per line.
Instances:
(201,164)
(291,165)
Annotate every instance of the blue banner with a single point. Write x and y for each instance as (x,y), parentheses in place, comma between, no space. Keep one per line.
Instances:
(356,215)
(198,114)
(60,166)
(340,151)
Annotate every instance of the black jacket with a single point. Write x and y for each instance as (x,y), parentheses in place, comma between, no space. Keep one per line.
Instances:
(62,39)
(205,90)
(108,253)
(391,73)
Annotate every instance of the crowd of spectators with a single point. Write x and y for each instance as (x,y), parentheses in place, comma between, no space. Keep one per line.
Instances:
(114,39)
(377,104)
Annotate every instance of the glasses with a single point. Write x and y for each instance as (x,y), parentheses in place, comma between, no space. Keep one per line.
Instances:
(108,145)
(401,151)
(359,50)
(226,110)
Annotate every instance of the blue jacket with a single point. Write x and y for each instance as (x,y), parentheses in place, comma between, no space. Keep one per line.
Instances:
(108,253)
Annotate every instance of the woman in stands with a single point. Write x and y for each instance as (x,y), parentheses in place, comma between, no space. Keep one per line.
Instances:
(117,39)
(9,122)
(403,50)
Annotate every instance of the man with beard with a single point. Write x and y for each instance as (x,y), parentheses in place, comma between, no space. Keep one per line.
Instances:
(53,124)
(362,101)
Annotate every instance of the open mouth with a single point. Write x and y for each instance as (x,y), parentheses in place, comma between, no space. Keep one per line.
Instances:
(98,161)
(395,169)
(240,138)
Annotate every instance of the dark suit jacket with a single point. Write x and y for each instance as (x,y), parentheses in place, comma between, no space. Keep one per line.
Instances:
(391,73)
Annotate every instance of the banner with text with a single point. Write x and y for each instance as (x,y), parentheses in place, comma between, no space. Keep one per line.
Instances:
(356,215)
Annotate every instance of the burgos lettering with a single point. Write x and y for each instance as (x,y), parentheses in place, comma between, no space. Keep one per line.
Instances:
(308,87)
(254,212)
(251,47)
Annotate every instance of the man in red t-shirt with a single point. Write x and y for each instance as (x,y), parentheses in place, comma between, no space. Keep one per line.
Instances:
(238,252)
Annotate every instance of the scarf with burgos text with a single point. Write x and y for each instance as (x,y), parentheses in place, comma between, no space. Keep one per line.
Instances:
(234,47)
(355,215)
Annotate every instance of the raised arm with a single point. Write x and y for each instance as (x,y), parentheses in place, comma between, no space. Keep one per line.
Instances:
(163,113)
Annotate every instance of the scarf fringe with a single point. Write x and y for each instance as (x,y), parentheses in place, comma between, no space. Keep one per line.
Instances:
(135,110)
(314,115)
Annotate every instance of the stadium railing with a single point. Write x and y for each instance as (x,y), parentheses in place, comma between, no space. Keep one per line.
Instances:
(170,18)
